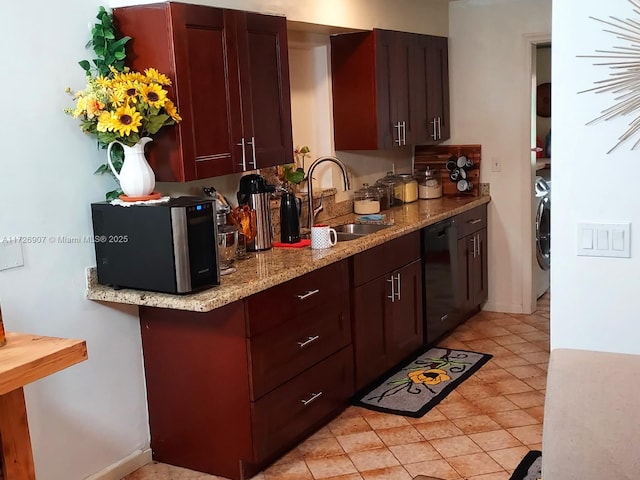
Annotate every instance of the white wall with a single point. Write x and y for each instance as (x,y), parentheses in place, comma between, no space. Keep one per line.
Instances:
(594,303)
(92,414)
(490,105)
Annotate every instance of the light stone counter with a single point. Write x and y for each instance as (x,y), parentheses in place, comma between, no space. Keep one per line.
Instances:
(278,265)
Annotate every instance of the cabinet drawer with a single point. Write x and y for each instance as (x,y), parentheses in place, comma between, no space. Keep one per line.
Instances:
(385,258)
(278,304)
(472,221)
(301,405)
(294,346)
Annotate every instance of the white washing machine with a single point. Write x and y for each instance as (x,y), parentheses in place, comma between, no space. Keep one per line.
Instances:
(542,228)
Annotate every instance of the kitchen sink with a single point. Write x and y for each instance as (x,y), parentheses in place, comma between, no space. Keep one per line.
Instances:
(352,231)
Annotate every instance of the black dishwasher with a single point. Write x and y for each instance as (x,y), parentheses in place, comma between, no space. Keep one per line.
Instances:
(439,257)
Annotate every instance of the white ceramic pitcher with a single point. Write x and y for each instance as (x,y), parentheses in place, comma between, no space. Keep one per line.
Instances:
(136,176)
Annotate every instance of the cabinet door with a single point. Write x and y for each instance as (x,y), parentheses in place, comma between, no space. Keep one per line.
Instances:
(478,270)
(404,328)
(387,134)
(429,74)
(263,63)
(202,41)
(464,299)
(188,43)
(371,313)
(394,94)
(438,86)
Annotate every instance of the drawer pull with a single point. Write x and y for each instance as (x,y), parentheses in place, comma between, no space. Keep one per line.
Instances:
(308,341)
(473,222)
(308,294)
(314,396)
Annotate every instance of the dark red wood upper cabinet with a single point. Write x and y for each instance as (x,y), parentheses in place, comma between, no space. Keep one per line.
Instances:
(230,71)
(389,89)
(437,59)
(266,94)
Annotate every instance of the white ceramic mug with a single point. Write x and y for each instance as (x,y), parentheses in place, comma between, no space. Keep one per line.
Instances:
(323,236)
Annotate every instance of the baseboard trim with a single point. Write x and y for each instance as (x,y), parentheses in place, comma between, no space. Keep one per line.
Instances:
(502,308)
(124,467)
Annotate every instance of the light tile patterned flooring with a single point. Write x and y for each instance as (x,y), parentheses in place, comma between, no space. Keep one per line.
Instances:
(480,431)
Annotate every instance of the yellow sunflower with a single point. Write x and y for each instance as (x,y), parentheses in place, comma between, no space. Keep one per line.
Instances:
(104,81)
(129,89)
(433,376)
(105,122)
(171,110)
(154,95)
(118,96)
(155,76)
(125,120)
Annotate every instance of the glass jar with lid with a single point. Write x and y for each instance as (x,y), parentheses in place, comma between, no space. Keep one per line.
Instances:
(366,200)
(410,187)
(430,184)
(394,187)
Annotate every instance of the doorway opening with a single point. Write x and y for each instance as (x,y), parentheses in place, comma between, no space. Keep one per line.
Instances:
(536,179)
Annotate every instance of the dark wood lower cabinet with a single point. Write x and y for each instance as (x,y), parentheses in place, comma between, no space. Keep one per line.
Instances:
(387,307)
(232,389)
(197,388)
(471,290)
(228,395)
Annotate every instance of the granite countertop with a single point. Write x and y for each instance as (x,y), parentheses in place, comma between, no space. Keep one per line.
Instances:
(278,265)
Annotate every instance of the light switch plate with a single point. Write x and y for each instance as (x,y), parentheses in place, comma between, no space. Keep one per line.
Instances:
(10,255)
(604,240)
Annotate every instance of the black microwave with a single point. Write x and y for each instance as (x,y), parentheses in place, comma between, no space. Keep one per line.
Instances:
(166,247)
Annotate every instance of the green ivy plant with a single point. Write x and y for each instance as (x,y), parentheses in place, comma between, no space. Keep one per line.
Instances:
(110,53)
(109,50)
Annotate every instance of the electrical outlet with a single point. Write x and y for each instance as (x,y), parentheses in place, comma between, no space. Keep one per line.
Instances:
(10,254)
(496,166)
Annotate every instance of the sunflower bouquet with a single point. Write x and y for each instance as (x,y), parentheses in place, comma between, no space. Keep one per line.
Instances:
(124,106)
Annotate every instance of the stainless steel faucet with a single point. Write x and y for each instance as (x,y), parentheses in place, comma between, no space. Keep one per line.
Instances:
(314,211)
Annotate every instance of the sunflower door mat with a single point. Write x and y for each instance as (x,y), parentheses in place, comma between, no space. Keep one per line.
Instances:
(419,385)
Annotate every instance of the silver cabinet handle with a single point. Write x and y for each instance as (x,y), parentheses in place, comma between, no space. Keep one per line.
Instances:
(244,156)
(309,340)
(398,292)
(444,317)
(434,135)
(314,396)
(398,126)
(473,241)
(404,133)
(478,244)
(439,128)
(393,289)
(473,222)
(308,294)
(253,151)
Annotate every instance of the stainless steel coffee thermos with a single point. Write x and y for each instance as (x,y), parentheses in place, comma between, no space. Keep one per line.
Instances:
(255,192)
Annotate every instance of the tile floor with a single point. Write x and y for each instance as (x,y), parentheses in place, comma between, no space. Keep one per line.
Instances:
(480,431)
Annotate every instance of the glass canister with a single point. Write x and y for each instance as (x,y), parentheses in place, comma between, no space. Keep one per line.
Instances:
(410,186)
(227,241)
(394,187)
(430,185)
(366,200)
